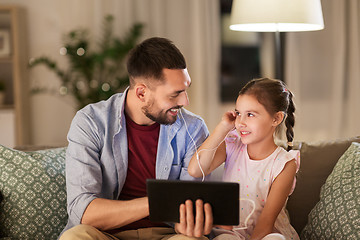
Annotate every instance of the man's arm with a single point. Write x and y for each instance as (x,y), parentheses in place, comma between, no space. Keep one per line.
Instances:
(89,202)
(105,214)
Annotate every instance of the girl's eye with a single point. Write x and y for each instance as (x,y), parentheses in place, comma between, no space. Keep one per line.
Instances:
(237,113)
(250,115)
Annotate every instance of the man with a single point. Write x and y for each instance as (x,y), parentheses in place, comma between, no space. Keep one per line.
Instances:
(115,145)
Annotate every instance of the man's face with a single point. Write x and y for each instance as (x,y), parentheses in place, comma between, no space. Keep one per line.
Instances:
(166,99)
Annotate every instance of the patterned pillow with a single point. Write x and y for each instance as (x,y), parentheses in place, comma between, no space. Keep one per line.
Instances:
(33,189)
(337,214)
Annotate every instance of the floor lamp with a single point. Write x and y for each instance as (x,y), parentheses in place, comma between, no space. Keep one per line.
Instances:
(276,16)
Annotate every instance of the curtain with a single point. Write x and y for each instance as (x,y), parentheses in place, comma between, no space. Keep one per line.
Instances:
(194,27)
(323,70)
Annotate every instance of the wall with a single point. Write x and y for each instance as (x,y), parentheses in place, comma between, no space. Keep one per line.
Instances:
(47,21)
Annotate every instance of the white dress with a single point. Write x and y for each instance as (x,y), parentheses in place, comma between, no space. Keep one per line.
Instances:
(255,178)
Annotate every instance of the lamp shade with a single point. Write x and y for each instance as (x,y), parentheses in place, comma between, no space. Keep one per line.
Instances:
(276,15)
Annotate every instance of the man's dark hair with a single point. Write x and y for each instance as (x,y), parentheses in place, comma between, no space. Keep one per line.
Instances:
(150,57)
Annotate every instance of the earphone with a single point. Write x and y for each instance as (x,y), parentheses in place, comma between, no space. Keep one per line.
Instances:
(203,174)
(248,217)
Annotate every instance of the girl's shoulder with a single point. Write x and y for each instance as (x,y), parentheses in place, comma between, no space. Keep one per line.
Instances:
(232,138)
(233,144)
(286,156)
(233,141)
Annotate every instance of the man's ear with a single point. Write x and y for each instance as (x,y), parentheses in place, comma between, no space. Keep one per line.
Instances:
(278,118)
(140,90)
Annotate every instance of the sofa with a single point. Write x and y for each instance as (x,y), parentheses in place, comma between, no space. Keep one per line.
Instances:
(324,205)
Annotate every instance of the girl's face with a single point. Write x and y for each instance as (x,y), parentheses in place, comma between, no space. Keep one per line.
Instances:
(253,123)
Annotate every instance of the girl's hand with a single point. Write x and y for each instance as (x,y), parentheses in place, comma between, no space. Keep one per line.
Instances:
(228,120)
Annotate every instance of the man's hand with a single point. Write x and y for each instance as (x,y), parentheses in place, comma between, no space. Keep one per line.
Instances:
(203,221)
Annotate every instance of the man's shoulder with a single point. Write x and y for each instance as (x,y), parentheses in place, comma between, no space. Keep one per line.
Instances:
(191,121)
(101,115)
(103,107)
(190,116)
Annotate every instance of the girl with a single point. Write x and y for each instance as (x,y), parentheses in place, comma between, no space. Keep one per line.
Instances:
(265,172)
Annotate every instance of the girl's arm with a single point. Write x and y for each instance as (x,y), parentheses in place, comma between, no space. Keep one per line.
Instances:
(279,192)
(212,152)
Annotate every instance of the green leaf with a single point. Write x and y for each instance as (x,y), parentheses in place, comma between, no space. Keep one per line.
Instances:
(104,64)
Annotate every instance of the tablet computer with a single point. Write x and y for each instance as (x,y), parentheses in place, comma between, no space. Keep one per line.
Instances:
(165,197)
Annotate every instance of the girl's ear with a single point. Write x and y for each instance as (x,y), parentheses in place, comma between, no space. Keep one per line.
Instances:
(278,118)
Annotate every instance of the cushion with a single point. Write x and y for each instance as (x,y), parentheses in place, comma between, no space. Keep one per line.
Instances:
(33,189)
(337,214)
(317,160)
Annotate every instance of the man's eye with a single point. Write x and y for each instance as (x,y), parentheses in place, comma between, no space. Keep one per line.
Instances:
(175,95)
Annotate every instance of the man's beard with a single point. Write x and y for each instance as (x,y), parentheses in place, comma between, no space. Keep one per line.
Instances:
(161,117)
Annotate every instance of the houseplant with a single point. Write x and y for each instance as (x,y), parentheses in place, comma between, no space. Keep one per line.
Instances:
(92,75)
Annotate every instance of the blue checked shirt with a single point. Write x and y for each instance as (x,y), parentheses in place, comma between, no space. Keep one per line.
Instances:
(97,154)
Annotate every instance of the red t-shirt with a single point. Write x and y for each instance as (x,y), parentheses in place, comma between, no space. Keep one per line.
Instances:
(142,144)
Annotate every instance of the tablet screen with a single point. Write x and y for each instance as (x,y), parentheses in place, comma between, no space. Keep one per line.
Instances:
(165,197)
